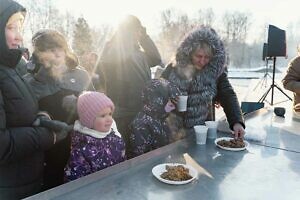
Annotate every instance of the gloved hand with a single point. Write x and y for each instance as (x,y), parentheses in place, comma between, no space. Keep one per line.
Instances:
(41,116)
(69,103)
(60,129)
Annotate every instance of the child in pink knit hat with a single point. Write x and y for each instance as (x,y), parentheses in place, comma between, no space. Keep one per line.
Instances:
(96,142)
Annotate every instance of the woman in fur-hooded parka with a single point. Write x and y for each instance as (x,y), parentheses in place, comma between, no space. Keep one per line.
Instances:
(204,86)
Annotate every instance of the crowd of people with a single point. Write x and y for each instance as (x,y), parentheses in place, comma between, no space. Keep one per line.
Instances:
(61,119)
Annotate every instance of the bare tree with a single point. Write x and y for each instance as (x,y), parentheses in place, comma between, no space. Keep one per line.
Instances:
(44,14)
(82,38)
(205,17)
(174,25)
(100,35)
(236,27)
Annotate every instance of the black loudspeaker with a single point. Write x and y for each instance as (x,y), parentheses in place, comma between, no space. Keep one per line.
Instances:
(276,42)
(265,51)
(248,107)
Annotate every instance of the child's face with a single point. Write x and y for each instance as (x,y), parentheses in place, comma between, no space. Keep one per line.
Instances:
(103,120)
(13,34)
(169,106)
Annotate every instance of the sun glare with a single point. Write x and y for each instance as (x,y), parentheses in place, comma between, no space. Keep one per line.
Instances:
(105,12)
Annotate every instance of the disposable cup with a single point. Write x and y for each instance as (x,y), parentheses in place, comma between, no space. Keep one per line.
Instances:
(182,103)
(201,134)
(212,129)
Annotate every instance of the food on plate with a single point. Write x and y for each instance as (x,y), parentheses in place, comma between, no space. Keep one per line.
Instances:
(176,173)
(232,143)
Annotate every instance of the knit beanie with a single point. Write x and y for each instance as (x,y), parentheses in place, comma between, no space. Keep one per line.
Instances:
(89,104)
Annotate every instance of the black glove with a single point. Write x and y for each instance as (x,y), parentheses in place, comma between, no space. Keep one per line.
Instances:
(60,129)
(41,116)
(55,125)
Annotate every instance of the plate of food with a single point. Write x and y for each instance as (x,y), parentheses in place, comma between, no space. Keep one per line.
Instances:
(174,173)
(231,144)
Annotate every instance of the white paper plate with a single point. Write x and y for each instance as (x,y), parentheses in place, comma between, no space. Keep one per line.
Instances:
(230,149)
(159,169)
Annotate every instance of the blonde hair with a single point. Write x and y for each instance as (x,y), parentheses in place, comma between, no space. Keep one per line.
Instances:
(206,48)
(19,16)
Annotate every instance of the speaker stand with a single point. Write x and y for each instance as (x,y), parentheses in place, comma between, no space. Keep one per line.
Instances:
(264,80)
(272,86)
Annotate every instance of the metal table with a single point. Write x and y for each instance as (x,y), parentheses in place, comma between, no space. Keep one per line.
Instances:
(269,170)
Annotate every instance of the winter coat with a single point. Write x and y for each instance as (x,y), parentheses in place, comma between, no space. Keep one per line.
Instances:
(149,129)
(291,81)
(92,151)
(206,85)
(51,93)
(21,145)
(125,79)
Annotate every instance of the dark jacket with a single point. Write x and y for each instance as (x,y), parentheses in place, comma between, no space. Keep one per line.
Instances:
(204,86)
(149,129)
(21,145)
(51,94)
(125,78)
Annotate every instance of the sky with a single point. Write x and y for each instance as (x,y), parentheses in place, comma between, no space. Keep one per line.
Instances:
(277,12)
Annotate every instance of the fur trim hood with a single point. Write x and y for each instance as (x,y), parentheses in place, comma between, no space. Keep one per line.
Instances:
(199,85)
(190,44)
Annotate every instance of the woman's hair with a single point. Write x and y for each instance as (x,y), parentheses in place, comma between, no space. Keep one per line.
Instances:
(205,47)
(18,16)
(47,39)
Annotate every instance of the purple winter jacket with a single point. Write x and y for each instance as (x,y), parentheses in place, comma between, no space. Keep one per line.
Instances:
(92,151)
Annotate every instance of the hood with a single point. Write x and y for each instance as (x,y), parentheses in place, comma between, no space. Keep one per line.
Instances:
(8,57)
(156,95)
(190,44)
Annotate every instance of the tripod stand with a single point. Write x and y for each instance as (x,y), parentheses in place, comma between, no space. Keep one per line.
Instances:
(271,88)
(264,79)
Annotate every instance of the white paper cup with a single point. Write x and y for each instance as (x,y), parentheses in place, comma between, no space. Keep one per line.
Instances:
(212,129)
(201,134)
(182,103)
